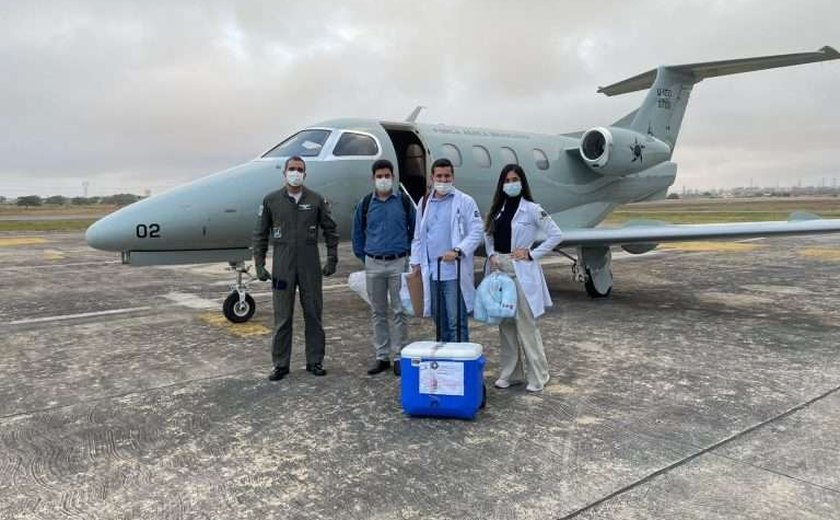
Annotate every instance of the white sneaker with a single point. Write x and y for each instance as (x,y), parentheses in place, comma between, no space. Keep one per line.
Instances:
(536,388)
(501,383)
(533,388)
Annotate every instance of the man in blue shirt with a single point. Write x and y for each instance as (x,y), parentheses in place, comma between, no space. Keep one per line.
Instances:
(383,227)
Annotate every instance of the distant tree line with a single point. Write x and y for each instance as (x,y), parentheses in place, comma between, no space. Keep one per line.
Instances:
(29,201)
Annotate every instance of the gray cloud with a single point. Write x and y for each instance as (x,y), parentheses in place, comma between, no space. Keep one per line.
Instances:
(145,95)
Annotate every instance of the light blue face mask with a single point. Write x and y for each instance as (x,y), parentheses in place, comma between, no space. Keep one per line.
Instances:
(512,189)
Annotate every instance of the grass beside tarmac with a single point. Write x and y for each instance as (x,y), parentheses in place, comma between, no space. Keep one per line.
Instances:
(711,211)
(39,226)
(42,219)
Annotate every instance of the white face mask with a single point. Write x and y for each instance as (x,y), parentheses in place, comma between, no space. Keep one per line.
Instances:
(384,185)
(512,189)
(443,187)
(294,178)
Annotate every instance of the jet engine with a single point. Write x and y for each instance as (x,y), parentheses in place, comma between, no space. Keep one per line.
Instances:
(618,151)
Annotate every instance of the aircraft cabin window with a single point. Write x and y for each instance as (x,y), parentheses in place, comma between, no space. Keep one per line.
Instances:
(355,144)
(540,159)
(508,155)
(451,152)
(307,143)
(481,156)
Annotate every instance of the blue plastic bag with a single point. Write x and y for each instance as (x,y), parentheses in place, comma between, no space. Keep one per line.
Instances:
(495,298)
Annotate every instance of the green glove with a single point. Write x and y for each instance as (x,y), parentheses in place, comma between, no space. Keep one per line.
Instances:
(329,268)
(262,273)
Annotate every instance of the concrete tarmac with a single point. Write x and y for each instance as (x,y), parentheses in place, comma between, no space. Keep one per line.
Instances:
(706,387)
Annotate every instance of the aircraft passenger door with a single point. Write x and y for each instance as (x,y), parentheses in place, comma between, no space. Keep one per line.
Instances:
(411,159)
(414,171)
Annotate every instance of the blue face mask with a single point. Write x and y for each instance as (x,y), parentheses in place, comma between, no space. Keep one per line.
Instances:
(512,189)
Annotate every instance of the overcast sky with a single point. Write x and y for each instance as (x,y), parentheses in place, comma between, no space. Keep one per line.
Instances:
(145,95)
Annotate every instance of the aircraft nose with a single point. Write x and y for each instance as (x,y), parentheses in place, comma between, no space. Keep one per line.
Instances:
(102,235)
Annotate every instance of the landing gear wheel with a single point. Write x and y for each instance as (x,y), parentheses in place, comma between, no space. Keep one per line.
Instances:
(238,311)
(592,291)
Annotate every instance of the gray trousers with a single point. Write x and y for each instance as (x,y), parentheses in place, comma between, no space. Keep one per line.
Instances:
(522,345)
(383,280)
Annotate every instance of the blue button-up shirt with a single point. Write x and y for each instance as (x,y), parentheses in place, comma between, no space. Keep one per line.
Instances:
(387,228)
(439,235)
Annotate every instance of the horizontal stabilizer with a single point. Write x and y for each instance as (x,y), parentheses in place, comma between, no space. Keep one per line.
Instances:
(712,69)
(683,233)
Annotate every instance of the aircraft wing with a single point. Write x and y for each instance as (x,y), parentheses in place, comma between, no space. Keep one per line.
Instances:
(687,232)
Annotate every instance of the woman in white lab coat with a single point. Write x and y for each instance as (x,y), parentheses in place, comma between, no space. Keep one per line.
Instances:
(511,228)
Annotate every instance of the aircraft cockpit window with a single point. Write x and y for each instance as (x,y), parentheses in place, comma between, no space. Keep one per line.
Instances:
(307,143)
(451,152)
(508,155)
(481,156)
(355,144)
(540,159)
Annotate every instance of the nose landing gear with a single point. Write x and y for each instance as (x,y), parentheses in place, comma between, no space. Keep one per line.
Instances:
(239,306)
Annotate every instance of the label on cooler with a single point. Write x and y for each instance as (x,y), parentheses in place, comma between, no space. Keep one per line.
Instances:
(441,377)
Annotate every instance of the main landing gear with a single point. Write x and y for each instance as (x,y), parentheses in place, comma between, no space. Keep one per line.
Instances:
(239,306)
(592,268)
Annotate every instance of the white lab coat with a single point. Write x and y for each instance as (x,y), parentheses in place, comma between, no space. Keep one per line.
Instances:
(528,219)
(466,230)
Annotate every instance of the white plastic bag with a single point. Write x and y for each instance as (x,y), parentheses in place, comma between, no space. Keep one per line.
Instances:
(357,281)
(405,296)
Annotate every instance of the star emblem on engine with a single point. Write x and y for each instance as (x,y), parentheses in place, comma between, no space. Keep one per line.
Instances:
(637,148)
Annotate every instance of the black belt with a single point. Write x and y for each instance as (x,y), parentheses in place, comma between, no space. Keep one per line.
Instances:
(388,257)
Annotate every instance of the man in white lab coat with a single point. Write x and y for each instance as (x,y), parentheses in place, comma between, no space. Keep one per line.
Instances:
(448,226)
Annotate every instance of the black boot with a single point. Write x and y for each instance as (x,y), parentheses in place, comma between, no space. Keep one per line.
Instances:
(316,369)
(380,365)
(278,373)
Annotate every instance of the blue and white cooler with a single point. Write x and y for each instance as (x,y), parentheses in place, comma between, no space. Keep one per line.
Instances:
(442,379)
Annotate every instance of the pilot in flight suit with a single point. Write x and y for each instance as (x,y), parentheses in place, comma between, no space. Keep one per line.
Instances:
(291,217)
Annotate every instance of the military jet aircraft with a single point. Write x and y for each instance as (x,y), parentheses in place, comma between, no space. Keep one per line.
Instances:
(579,177)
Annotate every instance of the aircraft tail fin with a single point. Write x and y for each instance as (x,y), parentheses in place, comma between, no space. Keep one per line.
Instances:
(626,121)
(661,113)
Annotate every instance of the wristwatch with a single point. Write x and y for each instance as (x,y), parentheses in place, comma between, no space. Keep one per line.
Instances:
(458,251)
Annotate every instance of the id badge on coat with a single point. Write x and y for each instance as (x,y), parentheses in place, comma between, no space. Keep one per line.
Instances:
(276,233)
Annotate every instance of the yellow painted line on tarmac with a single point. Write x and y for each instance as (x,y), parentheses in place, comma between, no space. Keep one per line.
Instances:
(52,254)
(21,241)
(713,247)
(243,330)
(822,253)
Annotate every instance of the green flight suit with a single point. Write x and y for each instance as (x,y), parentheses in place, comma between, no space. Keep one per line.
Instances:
(293,229)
